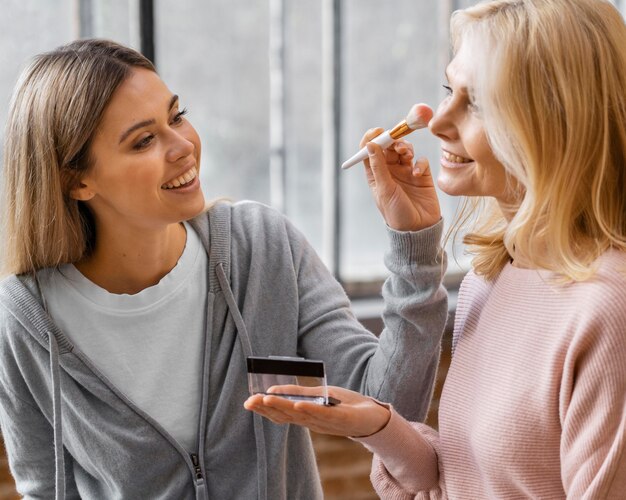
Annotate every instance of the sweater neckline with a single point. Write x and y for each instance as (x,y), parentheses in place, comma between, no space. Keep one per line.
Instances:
(147,297)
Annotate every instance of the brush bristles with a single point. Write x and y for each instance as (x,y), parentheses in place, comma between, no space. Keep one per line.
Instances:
(419,116)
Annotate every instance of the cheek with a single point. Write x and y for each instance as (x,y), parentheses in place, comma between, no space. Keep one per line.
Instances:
(477,145)
(123,176)
(492,177)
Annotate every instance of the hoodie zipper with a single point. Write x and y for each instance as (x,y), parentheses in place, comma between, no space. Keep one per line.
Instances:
(196,467)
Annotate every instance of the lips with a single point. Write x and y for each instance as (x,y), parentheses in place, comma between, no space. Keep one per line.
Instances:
(451,160)
(181,180)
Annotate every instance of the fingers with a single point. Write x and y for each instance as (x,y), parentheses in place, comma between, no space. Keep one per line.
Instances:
(284,411)
(377,165)
(400,152)
(274,408)
(404,150)
(357,415)
(421,167)
(296,389)
(369,135)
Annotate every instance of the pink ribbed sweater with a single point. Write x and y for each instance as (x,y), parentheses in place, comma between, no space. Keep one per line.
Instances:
(534,404)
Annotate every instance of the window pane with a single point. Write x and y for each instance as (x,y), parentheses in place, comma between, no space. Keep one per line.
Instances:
(215,56)
(113,19)
(385,72)
(28,27)
(303,126)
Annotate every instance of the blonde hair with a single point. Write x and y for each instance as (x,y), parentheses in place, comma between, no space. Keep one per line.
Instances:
(551,86)
(55,109)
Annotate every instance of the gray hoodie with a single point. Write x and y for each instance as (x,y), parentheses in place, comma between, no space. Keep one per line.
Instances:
(70,433)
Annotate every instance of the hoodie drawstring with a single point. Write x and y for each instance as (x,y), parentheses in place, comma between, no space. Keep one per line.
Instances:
(246,345)
(59,459)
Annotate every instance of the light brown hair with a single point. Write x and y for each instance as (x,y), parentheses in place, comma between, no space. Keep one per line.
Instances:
(57,105)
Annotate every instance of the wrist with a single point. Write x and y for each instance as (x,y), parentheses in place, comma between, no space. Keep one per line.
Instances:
(380,421)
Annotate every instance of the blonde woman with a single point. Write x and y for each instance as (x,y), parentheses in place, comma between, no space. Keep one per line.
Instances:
(128,310)
(534,404)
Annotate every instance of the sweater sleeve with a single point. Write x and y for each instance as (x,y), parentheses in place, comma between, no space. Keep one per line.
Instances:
(405,463)
(400,366)
(28,441)
(593,407)
(26,430)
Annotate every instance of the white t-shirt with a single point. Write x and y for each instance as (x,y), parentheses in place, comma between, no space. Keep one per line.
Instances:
(150,344)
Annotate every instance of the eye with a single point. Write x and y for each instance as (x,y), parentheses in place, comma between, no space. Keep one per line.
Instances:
(143,143)
(178,117)
(472,106)
(448,90)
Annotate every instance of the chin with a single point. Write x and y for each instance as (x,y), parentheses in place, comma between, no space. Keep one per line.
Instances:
(451,188)
(191,210)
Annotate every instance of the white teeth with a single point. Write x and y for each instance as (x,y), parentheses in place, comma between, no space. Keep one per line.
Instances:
(181,180)
(454,158)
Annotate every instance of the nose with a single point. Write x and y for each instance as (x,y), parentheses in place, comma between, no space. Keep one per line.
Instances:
(180,146)
(443,123)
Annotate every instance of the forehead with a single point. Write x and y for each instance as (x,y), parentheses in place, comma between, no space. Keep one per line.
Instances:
(142,96)
(461,68)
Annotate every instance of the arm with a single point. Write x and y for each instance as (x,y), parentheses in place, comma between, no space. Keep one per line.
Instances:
(405,463)
(400,367)
(29,446)
(406,454)
(593,409)
(26,430)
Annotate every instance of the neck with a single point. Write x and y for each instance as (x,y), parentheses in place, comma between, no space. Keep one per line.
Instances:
(130,259)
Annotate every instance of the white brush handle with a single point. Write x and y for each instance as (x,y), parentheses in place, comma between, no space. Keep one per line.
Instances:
(383,140)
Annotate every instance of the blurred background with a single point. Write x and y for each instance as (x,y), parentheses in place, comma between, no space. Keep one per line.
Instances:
(280,92)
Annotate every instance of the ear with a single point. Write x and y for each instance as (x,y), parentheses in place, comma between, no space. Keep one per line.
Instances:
(82,192)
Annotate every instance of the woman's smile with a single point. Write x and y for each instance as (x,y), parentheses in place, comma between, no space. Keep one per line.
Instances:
(185,179)
(158,156)
(451,160)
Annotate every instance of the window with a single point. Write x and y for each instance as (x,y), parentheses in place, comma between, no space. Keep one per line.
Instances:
(280,91)
(260,81)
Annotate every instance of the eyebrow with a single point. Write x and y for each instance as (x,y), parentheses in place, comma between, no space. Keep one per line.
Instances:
(145,123)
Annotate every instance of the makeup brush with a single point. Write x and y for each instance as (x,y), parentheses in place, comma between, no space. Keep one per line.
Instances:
(418,117)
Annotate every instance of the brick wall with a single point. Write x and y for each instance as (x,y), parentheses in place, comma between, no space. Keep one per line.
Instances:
(7,487)
(344,465)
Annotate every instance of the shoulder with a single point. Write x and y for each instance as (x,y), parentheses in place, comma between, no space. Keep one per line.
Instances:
(606,289)
(254,226)
(257,222)
(17,291)
(595,313)
(20,312)
(611,269)
(595,360)
(254,215)
(474,290)
(246,214)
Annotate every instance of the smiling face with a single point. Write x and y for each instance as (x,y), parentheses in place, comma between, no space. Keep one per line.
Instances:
(468,164)
(146,158)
